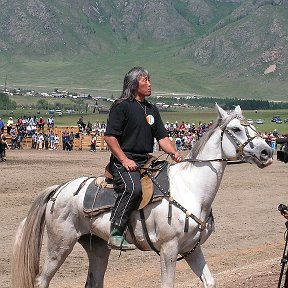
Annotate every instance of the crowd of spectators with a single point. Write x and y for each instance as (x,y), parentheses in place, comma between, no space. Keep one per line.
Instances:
(31,126)
(186,134)
(44,137)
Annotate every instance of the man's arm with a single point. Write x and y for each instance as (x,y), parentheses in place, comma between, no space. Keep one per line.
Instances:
(116,150)
(168,147)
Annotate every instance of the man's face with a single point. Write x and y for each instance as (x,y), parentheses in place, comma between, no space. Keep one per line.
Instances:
(144,86)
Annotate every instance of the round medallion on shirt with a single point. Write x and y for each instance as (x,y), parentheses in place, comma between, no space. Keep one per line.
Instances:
(150,119)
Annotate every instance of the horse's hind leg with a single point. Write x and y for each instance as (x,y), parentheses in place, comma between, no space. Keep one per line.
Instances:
(98,254)
(59,246)
(197,263)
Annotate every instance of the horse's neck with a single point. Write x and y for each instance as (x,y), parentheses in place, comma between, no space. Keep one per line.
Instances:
(212,148)
(197,183)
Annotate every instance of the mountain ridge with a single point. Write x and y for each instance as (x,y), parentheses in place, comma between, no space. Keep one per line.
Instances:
(225,41)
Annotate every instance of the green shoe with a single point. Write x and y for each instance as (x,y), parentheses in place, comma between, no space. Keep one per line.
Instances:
(117,241)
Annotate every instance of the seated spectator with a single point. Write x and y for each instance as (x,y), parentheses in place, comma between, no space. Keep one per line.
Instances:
(40,123)
(182,126)
(29,130)
(89,128)
(10,123)
(167,125)
(50,123)
(103,128)
(81,124)
(178,143)
(33,128)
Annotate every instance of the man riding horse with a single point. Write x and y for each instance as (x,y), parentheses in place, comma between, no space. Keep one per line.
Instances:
(132,125)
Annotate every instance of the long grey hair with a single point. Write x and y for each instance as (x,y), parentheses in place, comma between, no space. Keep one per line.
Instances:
(131,81)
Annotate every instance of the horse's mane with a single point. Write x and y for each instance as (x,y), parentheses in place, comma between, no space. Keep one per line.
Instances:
(198,146)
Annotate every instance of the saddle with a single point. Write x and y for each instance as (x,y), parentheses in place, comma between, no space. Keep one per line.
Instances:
(100,195)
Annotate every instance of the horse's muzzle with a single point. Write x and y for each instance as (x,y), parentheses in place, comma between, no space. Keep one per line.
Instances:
(265,158)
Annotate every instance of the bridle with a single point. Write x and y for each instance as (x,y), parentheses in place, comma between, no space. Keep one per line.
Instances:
(240,157)
(239,146)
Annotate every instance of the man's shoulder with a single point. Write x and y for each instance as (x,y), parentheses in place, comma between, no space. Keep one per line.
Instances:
(122,105)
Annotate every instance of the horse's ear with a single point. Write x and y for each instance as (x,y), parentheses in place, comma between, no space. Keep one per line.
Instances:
(238,110)
(222,113)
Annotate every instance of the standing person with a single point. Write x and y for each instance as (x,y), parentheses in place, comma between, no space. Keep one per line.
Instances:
(71,140)
(13,135)
(132,125)
(40,141)
(46,141)
(93,143)
(2,126)
(34,141)
(65,139)
(3,146)
(51,141)
(56,141)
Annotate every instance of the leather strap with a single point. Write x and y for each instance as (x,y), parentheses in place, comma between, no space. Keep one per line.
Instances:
(146,234)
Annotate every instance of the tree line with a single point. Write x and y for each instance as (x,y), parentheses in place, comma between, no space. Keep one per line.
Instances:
(225,103)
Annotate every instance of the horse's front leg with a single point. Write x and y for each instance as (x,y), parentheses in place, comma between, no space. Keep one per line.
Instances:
(197,263)
(168,261)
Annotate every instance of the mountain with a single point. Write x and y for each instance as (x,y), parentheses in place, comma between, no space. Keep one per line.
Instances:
(224,48)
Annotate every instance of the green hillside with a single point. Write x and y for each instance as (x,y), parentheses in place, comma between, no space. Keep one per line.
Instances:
(209,48)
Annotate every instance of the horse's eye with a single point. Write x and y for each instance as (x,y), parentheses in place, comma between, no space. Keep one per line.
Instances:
(236,129)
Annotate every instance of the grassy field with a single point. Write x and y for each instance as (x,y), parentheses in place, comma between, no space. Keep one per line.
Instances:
(170,73)
(205,116)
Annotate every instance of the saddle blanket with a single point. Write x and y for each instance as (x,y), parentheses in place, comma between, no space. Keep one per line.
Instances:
(100,199)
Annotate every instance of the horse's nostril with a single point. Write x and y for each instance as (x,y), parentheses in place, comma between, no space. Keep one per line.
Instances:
(266,153)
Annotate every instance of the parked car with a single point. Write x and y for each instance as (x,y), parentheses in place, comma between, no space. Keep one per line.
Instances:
(286,120)
(250,121)
(279,121)
(276,118)
(259,121)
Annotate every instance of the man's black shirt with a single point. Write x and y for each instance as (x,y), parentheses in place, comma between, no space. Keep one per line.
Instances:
(128,123)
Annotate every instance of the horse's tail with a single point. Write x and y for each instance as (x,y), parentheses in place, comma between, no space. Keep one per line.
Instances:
(28,242)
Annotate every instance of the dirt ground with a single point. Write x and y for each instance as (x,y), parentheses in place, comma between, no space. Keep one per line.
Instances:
(244,251)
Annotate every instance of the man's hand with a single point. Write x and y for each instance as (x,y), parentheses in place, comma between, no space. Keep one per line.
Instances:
(176,156)
(129,164)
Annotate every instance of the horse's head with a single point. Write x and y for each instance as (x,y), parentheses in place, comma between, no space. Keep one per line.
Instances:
(241,141)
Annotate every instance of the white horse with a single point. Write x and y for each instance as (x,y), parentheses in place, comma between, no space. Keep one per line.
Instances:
(193,185)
